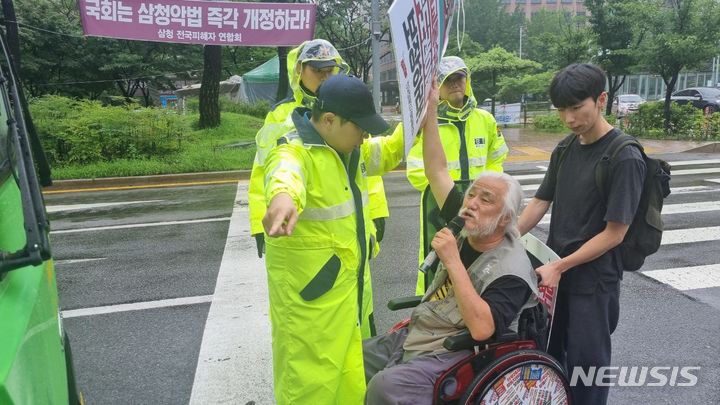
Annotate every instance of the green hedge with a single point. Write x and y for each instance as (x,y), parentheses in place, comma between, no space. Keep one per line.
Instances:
(549,123)
(83,131)
(648,122)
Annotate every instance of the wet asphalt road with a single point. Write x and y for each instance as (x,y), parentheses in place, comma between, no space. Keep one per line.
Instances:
(149,354)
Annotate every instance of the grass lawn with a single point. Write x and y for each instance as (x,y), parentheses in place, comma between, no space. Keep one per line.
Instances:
(202,151)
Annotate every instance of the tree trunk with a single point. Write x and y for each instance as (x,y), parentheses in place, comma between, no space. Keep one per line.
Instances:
(283,84)
(13,40)
(669,87)
(210,87)
(614,84)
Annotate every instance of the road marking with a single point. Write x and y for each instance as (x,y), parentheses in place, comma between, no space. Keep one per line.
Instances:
(686,172)
(669,209)
(686,208)
(543,168)
(529,176)
(694,162)
(70,207)
(690,235)
(688,190)
(136,306)
(196,183)
(688,278)
(73,261)
(143,225)
(235,361)
(530,187)
(713,180)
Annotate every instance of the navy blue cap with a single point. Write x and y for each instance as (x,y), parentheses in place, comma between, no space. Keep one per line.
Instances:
(349,97)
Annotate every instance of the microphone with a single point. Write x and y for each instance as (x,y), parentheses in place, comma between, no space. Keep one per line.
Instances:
(431,260)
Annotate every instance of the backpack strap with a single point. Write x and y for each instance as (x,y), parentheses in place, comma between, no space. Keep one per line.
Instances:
(562,147)
(603,166)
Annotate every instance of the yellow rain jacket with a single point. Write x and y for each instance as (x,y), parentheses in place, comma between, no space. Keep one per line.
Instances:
(471,140)
(277,123)
(316,275)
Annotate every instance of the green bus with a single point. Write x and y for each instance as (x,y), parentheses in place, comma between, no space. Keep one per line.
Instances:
(35,359)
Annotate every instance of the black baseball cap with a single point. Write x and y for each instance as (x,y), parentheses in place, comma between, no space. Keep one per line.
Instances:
(320,64)
(349,97)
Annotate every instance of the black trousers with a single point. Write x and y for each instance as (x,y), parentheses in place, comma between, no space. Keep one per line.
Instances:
(580,336)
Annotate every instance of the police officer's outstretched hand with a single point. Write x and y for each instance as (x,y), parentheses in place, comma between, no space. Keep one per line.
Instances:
(281,216)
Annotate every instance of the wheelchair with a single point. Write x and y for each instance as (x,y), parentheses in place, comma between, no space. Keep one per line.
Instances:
(511,368)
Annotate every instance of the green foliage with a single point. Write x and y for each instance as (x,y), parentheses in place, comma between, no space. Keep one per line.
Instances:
(685,121)
(83,139)
(85,131)
(259,109)
(533,86)
(549,123)
(556,40)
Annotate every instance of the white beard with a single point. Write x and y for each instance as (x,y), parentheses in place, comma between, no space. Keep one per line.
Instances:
(484,229)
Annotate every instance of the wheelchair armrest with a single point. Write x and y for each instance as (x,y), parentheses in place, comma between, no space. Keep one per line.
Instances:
(404,302)
(464,340)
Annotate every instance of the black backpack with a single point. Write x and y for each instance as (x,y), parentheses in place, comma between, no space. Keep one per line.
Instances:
(645,233)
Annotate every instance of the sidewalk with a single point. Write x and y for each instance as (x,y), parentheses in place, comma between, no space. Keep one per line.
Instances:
(525,145)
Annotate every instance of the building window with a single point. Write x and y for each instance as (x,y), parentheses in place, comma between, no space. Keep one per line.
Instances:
(536,1)
(550,1)
(520,1)
(566,1)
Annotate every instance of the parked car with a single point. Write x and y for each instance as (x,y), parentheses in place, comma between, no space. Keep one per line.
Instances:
(625,104)
(704,98)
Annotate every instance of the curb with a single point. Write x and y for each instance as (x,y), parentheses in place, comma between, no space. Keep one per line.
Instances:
(135,181)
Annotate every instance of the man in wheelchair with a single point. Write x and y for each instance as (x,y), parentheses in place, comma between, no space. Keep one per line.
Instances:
(483,282)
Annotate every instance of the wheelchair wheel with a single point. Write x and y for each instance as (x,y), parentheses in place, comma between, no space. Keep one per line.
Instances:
(525,377)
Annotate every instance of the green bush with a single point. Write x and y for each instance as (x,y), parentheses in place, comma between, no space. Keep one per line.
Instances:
(84,131)
(548,123)
(648,122)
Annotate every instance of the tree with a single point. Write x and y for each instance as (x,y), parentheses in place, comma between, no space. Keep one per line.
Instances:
(89,67)
(681,34)
(613,26)
(556,39)
(14,50)
(210,87)
(495,62)
(511,88)
(488,24)
(346,24)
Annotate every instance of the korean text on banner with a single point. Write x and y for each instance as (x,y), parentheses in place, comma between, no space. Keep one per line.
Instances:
(415,27)
(199,22)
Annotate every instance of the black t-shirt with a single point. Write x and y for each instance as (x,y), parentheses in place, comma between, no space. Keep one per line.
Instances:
(507,294)
(579,211)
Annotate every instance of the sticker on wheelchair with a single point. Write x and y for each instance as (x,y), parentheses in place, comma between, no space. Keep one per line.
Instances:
(531,384)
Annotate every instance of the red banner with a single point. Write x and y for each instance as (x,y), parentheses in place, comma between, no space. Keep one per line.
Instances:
(199,22)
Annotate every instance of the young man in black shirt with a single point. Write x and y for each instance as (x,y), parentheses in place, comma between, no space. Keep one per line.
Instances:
(585,226)
(483,282)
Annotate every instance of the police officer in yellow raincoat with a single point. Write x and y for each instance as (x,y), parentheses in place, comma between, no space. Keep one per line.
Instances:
(309,65)
(318,223)
(469,135)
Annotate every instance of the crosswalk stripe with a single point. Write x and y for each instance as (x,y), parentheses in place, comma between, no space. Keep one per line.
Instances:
(688,278)
(713,180)
(686,172)
(690,235)
(694,162)
(670,209)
